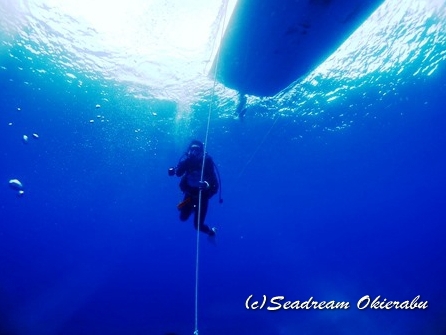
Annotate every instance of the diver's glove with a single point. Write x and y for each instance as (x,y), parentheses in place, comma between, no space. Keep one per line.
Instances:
(171,171)
(203,185)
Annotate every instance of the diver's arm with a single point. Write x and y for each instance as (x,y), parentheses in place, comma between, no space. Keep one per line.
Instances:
(180,169)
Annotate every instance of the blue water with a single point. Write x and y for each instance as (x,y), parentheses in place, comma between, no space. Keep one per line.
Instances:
(312,208)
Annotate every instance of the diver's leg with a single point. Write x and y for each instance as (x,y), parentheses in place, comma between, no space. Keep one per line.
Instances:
(187,208)
(204,209)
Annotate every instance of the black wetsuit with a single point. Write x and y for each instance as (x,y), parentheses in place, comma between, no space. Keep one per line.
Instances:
(190,170)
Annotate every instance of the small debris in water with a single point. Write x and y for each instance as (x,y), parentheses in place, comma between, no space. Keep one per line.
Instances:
(36,136)
(16,185)
(98,106)
(19,109)
(91,121)
(25,139)
(10,124)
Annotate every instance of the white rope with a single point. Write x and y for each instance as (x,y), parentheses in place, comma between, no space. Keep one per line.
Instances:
(202,173)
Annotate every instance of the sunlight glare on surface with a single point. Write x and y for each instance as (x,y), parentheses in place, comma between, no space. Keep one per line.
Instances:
(158,44)
(401,42)
(396,36)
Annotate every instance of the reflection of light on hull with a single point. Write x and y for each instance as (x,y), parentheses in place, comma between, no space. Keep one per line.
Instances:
(263,56)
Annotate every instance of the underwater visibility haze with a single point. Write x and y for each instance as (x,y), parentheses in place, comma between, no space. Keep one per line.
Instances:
(333,188)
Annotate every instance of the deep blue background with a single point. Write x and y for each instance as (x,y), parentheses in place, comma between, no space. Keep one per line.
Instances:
(95,245)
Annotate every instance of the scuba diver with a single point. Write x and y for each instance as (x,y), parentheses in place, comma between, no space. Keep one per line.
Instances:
(189,169)
(241,107)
